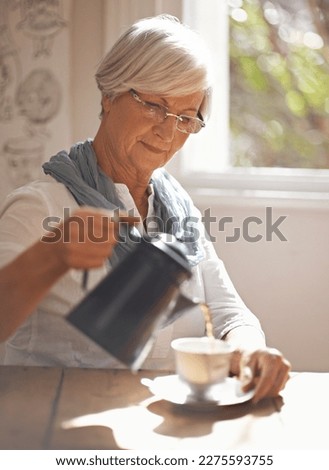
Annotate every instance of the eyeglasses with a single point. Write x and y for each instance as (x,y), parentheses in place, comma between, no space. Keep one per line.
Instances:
(159,113)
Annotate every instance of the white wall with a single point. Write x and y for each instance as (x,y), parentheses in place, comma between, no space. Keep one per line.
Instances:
(284,283)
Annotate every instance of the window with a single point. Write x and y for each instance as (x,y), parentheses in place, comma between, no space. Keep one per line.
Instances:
(270,122)
(279,87)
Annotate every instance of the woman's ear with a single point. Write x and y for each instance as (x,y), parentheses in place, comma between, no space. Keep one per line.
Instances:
(106,104)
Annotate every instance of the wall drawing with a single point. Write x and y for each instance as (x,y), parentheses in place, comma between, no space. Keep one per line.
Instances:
(30,84)
(38,99)
(9,65)
(41,21)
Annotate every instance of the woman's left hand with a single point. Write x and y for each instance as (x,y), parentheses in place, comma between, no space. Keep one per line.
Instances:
(266,370)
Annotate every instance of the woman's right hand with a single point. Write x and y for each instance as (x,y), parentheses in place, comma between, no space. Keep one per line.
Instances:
(86,238)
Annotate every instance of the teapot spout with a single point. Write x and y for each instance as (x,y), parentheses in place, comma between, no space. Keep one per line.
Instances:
(182,305)
(185,303)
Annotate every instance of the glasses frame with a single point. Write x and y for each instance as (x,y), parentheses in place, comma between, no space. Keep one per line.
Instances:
(166,113)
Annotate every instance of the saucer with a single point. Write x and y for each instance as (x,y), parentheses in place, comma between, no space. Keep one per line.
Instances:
(172,389)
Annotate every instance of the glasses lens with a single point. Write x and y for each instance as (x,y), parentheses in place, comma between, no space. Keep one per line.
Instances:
(188,125)
(155,112)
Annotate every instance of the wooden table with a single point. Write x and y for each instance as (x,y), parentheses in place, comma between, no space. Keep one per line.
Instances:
(54,408)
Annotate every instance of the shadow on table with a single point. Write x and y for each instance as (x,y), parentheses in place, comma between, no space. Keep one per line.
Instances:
(157,423)
(180,420)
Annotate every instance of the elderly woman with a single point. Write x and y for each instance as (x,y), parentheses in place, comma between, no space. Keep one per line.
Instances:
(155,88)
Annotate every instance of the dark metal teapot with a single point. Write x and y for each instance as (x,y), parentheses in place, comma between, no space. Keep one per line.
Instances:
(141,294)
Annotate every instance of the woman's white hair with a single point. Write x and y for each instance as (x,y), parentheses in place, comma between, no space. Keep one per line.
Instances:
(157,55)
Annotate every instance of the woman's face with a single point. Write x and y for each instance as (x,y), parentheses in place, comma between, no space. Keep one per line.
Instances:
(135,141)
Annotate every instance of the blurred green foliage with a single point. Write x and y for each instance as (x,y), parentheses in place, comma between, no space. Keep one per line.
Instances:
(279,83)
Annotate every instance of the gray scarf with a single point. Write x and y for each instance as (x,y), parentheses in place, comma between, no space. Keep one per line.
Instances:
(89,185)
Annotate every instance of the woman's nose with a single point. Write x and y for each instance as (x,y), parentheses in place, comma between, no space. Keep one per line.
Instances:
(167,129)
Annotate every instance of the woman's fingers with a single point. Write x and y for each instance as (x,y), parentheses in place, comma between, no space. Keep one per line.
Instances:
(267,371)
(85,239)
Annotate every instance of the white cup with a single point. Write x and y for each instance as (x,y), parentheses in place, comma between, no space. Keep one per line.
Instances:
(202,362)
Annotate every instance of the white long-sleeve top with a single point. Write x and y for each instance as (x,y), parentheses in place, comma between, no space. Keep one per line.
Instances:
(46,338)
